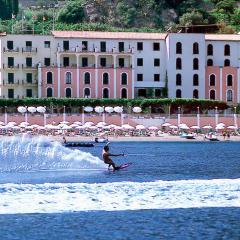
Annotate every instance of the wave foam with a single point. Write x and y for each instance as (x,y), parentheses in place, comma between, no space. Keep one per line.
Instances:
(68,197)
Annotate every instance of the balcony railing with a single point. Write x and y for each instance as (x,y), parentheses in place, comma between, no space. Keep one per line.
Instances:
(7,66)
(10,83)
(33,66)
(14,50)
(25,82)
(29,50)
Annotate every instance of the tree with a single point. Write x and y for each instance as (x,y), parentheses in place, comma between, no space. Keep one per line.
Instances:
(73,12)
(7,8)
(192,18)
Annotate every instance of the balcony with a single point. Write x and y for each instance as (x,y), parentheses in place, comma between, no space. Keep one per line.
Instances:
(14,50)
(10,83)
(29,50)
(33,83)
(29,67)
(11,67)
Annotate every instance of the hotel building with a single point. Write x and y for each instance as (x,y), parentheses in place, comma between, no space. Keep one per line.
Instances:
(120,65)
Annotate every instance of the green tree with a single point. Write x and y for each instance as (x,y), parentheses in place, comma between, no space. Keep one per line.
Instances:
(73,12)
(192,18)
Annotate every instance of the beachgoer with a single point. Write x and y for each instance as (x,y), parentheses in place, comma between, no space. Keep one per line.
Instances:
(106,157)
(228,135)
(64,140)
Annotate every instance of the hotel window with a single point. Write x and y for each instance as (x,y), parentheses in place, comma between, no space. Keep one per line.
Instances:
(158,93)
(68,79)
(121,46)
(178,80)
(195,93)
(105,93)
(47,44)
(212,95)
(10,93)
(195,48)
(195,64)
(140,62)
(195,80)
(68,92)
(178,93)
(179,63)
(29,62)
(86,92)
(10,62)
(103,46)
(124,79)
(139,77)
(179,48)
(156,77)
(212,80)
(209,62)
(66,61)
(124,93)
(29,45)
(47,62)
(210,50)
(29,77)
(105,79)
(87,78)
(229,80)
(84,62)
(229,96)
(156,46)
(49,78)
(29,93)
(226,63)
(84,45)
(157,62)
(49,92)
(227,50)
(10,78)
(10,45)
(65,45)
(142,92)
(140,46)
(121,62)
(103,62)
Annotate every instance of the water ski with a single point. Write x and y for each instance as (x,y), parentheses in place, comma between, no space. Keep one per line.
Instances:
(122,166)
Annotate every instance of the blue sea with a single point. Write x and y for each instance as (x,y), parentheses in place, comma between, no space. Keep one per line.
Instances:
(171,191)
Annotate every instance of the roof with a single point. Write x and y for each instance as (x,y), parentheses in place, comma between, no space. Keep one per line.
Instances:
(109,35)
(3,34)
(222,37)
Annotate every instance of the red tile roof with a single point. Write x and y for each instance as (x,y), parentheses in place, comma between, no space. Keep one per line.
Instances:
(109,35)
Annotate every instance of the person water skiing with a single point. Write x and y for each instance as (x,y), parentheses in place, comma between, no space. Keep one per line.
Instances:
(106,157)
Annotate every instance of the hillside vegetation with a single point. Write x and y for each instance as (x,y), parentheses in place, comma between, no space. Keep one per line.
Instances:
(123,15)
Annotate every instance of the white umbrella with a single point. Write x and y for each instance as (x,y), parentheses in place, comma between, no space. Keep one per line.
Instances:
(35,125)
(207,127)
(184,127)
(40,128)
(101,124)
(61,125)
(29,127)
(41,109)
(232,127)
(5,127)
(64,122)
(22,109)
(153,128)
(88,109)
(74,125)
(78,123)
(2,123)
(89,124)
(173,127)
(221,124)
(109,109)
(66,127)
(50,126)
(93,128)
(32,109)
(195,127)
(118,128)
(24,123)
(112,126)
(118,109)
(127,126)
(80,127)
(99,109)
(137,110)
(166,125)
(107,127)
(16,128)
(140,127)
(220,127)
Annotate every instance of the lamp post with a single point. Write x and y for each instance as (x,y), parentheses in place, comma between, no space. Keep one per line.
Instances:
(198,117)
(235,118)
(216,115)
(179,116)
(5,116)
(83,120)
(64,113)
(26,115)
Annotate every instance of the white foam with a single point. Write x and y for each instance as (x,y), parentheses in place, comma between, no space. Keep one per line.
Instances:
(67,197)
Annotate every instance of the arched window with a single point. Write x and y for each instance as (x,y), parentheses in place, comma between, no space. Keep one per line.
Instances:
(195,64)
(105,93)
(49,78)
(209,62)
(105,79)
(195,48)
(227,50)
(178,93)
(195,93)
(124,79)
(87,78)
(229,96)
(212,80)
(87,93)
(210,50)
(179,48)
(226,63)
(68,79)
(212,94)
(179,63)
(49,92)
(124,93)
(178,80)
(229,80)
(68,92)
(195,80)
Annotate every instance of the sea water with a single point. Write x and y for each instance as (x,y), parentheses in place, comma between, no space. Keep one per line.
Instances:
(172,191)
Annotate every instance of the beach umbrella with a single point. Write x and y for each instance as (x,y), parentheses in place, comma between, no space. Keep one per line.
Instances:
(11,124)
(35,125)
(140,127)
(207,127)
(2,123)
(74,125)
(22,109)
(173,127)
(78,123)
(220,127)
(112,125)
(118,109)
(99,109)
(66,127)
(109,109)
(195,127)
(32,109)
(153,128)
(101,124)
(29,127)
(41,109)
(232,127)
(184,127)
(127,127)
(88,109)
(64,122)
(41,128)
(118,128)
(16,128)
(80,127)
(107,127)
(166,125)
(93,128)
(221,124)
(137,110)
(89,124)
(24,123)
(5,127)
